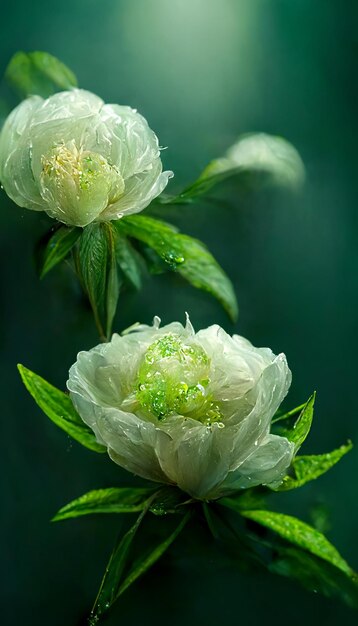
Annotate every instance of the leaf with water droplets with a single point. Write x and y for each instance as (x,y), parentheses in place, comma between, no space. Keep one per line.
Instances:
(110,500)
(277,553)
(310,467)
(300,534)
(314,574)
(169,500)
(59,408)
(301,427)
(188,256)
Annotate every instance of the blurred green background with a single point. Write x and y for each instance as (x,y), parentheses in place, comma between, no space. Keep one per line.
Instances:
(202,72)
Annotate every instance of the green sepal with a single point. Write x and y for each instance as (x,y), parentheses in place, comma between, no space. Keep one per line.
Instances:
(96,267)
(58,406)
(170,500)
(110,500)
(56,246)
(300,534)
(38,73)
(309,467)
(188,256)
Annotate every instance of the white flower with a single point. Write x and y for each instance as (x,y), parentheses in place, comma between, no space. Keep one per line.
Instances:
(264,153)
(185,408)
(78,159)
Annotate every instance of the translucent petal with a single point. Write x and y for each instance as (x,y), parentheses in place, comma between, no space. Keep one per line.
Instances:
(16,174)
(139,191)
(131,443)
(192,457)
(65,105)
(266,153)
(266,465)
(242,437)
(124,137)
(236,369)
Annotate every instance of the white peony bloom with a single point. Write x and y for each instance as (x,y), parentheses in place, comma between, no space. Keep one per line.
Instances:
(263,153)
(78,159)
(184,408)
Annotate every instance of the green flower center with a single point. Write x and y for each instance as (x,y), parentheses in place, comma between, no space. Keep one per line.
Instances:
(173,378)
(81,175)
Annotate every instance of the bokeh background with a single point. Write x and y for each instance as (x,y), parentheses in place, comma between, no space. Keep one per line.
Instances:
(202,72)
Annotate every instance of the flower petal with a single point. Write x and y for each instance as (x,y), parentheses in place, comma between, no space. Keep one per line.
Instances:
(124,137)
(16,174)
(139,191)
(266,465)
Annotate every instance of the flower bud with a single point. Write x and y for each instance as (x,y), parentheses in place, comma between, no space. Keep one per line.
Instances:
(78,159)
(184,408)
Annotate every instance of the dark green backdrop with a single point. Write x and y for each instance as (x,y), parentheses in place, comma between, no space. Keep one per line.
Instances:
(202,72)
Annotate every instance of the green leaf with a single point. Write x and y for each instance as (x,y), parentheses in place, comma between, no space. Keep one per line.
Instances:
(188,256)
(257,156)
(108,591)
(58,246)
(145,562)
(234,541)
(208,179)
(59,408)
(246,499)
(310,467)
(279,415)
(315,575)
(300,534)
(254,549)
(111,500)
(96,266)
(38,73)
(298,433)
(129,261)
(114,583)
